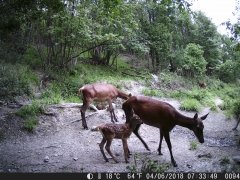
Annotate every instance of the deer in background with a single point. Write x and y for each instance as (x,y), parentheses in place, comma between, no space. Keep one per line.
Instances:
(99,92)
(202,84)
(112,131)
(163,116)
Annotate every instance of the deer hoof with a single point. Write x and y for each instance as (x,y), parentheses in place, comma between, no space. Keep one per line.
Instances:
(174,164)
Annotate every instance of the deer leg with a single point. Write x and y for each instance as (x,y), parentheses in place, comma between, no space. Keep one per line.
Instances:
(126,150)
(135,131)
(83,110)
(101,145)
(167,138)
(235,128)
(160,143)
(107,147)
(113,116)
(129,153)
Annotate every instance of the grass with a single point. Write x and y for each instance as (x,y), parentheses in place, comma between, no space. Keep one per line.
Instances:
(152,92)
(16,80)
(147,166)
(33,109)
(224,160)
(190,105)
(30,123)
(29,113)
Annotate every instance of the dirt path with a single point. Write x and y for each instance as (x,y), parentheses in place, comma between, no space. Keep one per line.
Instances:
(59,144)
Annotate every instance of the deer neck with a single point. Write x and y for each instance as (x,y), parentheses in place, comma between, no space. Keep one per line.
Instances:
(122,95)
(184,121)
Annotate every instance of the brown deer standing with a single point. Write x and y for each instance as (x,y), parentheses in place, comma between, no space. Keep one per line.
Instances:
(202,84)
(163,116)
(99,92)
(112,131)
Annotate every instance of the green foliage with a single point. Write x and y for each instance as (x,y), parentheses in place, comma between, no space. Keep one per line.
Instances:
(153,166)
(31,110)
(31,58)
(147,166)
(30,123)
(230,94)
(29,113)
(152,92)
(194,99)
(66,84)
(193,145)
(172,81)
(16,80)
(208,38)
(194,63)
(190,105)
(227,71)
(236,107)
(224,160)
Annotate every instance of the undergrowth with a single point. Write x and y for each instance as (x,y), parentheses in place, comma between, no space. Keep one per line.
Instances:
(147,165)
(17,80)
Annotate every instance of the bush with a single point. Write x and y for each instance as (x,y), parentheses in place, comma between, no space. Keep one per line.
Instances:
(16,80)
(227,71)
(31,58)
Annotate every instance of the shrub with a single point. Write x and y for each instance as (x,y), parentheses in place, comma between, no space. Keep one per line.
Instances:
(227,71)
(16,80)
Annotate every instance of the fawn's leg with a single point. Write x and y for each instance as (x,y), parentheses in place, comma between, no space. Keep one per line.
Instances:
(126,150)
(107,147)
(101,145)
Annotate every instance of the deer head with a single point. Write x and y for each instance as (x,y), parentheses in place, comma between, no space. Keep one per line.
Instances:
(198,127)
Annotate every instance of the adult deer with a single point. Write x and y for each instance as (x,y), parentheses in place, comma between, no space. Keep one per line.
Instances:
(163,116)
(112,131)
(99,92)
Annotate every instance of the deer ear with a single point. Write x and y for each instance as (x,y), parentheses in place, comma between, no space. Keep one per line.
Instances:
(204,117)
(130,95)
(195,116)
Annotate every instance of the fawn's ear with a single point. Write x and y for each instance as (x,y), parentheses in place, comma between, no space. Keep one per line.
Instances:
(130,95)
(195,116)
(204,117)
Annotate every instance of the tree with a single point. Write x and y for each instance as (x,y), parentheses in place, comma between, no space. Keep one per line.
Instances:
(194,63)
(206,35)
